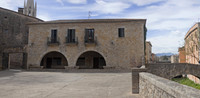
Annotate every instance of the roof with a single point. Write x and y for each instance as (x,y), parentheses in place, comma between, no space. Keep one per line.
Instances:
(87,21)
(193,28)
(20,13)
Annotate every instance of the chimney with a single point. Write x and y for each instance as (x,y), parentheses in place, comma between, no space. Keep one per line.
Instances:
(20,10)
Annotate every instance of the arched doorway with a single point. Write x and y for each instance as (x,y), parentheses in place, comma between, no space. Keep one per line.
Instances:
(91,60)
(54,60)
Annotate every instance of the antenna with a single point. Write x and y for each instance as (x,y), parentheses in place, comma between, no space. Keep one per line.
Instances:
(89,14)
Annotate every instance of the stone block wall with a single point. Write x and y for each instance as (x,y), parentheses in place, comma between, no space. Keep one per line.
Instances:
(152,86)
(13,32)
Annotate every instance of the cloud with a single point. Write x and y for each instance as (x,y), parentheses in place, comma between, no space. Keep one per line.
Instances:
(144,2)
(105,7)
(72,1)
(60,1)
(167,42)
(11,4)
(44,16)
(77,1)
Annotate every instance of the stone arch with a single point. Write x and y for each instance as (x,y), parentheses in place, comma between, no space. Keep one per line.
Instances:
(90,59)
(53,59)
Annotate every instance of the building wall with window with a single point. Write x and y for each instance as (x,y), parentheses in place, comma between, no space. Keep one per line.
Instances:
(192,48)
(119,41)
(13,33)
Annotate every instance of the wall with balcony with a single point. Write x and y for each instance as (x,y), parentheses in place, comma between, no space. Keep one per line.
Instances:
(118,52)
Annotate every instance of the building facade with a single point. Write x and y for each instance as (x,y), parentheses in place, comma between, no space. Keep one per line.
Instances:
(192,44)
(13,38)
(148,52)
(90,43)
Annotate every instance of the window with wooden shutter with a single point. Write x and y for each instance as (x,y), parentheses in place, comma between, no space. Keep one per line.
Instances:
(71,36)
(54,36)
(89,35)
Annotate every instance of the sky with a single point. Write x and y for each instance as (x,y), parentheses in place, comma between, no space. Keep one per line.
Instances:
(167,20)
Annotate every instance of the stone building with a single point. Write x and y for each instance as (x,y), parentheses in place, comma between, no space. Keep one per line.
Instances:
(182,55)
(148,52)
(192,44)
(13,38)
(175,58)
(89,43)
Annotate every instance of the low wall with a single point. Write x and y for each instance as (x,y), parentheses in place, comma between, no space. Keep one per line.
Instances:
(152,86)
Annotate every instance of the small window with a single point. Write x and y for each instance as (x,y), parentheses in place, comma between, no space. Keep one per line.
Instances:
(5,17)
(121,32)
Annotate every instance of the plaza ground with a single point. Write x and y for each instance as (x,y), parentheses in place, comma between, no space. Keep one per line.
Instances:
(62,84)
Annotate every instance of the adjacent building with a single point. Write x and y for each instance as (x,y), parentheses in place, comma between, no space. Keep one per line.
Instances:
(192,48)
(88,43)
(182,55)
(14,33)
(148,52)
(192,44)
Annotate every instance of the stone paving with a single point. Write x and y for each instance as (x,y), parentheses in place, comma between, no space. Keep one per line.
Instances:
(30,84)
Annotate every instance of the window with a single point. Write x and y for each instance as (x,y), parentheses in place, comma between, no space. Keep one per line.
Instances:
(6,30)
(54,36)
(71,36)
(121,32)
(89,35)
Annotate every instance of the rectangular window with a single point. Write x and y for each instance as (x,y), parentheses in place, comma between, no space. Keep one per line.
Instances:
(121,32)
(54,36)
(89,35)
(71,36)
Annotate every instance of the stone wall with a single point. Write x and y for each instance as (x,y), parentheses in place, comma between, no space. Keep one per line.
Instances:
(152,86)
(14,31)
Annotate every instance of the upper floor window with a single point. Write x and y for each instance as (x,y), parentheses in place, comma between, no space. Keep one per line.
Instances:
(89,35)
(71,36)
(121,32)
(54,36)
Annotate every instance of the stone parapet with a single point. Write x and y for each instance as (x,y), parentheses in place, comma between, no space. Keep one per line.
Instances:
(152,86)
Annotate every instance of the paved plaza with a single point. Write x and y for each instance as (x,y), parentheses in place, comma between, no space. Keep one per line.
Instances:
(29,84)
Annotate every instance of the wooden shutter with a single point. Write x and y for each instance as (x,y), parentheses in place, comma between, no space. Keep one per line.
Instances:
(73,35)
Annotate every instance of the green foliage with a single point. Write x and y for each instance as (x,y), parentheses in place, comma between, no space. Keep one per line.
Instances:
(186,81)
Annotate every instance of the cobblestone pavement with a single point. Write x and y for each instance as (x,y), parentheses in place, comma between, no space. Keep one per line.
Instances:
(30,84)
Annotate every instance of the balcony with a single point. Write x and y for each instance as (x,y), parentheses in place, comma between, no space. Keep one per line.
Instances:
(90,40)
(53,41)
(70,41)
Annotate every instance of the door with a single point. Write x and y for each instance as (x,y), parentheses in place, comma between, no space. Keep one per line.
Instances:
(95,62)
(49,63)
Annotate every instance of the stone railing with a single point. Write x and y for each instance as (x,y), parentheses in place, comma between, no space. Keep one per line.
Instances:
(152,86)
